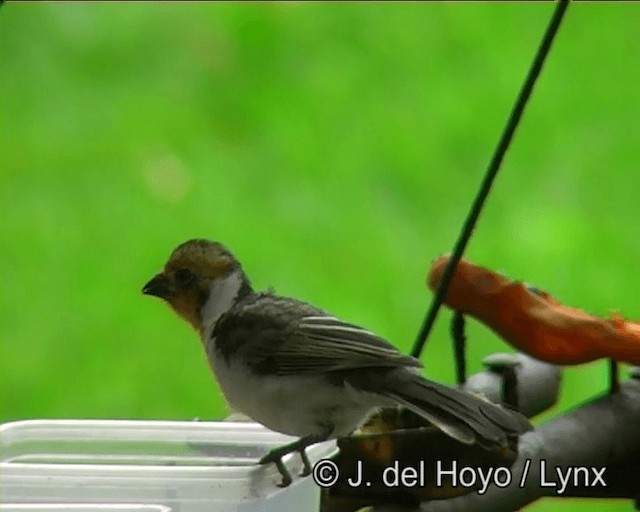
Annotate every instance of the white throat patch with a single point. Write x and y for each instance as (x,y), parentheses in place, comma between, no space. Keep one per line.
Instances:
(222,295)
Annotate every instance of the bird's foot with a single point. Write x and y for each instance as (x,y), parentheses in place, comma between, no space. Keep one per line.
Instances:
(275,456)
(306,470)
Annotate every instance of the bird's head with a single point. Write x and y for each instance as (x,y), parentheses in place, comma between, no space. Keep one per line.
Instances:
(200,281)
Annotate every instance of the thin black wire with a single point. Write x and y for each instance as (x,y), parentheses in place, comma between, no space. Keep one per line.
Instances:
(492,171)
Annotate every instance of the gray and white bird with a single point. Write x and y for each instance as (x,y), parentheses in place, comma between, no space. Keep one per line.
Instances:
(300,371)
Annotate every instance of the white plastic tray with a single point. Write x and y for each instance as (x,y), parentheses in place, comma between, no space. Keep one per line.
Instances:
(187,466)
(80,507)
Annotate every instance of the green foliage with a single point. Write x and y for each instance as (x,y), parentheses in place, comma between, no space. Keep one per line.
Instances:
(335,148)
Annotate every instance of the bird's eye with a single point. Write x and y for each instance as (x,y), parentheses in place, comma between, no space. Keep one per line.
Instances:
(184,276)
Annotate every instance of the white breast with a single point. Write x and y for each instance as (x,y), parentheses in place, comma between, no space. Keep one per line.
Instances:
(293,405)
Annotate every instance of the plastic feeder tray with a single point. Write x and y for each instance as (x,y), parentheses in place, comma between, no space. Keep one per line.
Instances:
(186,466)
(80,507)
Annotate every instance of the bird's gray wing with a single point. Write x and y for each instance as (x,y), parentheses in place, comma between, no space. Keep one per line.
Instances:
(323,344)
(296,338)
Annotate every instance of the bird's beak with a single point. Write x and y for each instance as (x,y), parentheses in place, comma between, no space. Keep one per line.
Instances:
(159,286)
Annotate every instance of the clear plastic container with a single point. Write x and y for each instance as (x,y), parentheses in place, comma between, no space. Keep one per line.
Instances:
(187,466)
(80,507)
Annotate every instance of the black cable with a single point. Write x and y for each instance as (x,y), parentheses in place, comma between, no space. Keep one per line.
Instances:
(492,171)
(459,347)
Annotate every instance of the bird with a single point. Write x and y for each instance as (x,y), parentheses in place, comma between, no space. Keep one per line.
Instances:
(301,371)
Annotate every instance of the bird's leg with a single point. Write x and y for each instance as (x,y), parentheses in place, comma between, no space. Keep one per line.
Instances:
(284,472)
(299,446)
(614,377)
(306,464)
(459,346)
(318,438)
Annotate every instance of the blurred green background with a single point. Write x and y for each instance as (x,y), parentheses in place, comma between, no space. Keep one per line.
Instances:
(335,148)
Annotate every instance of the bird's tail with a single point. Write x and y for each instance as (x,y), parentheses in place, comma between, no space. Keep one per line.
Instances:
(463,416)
